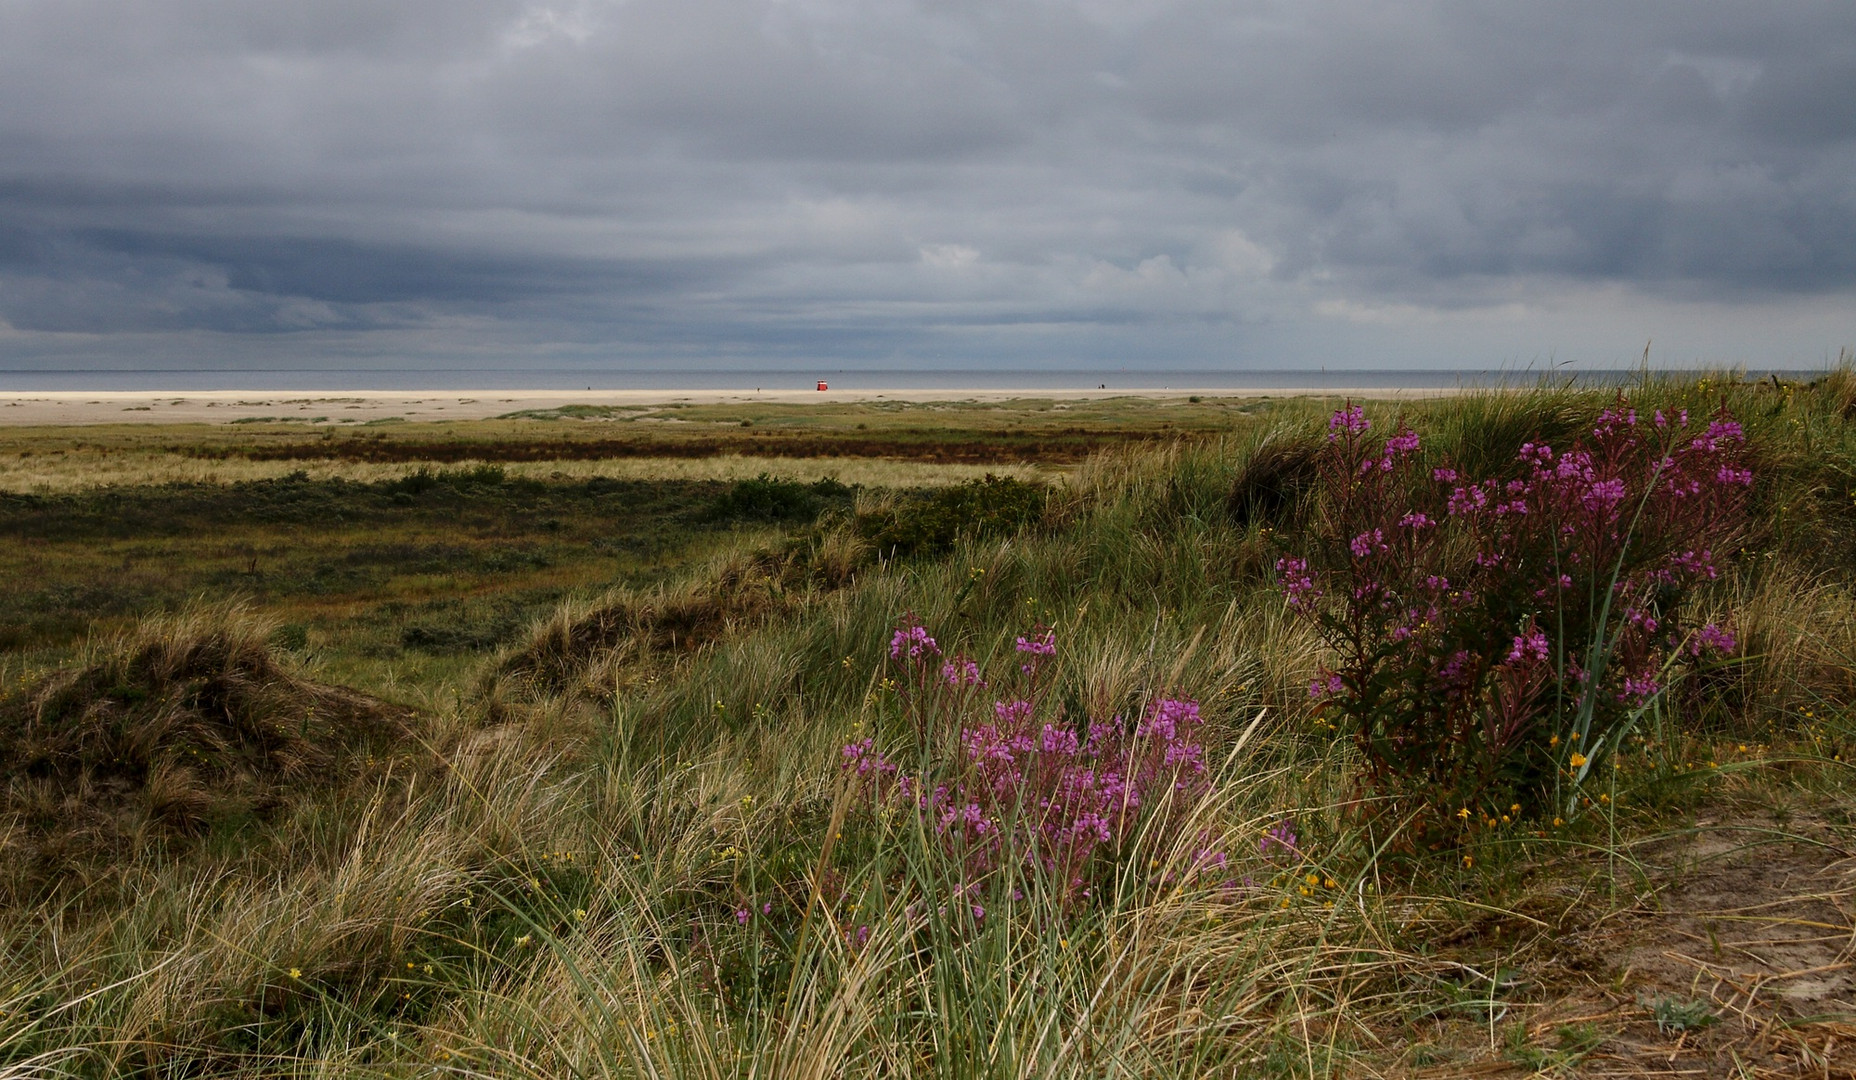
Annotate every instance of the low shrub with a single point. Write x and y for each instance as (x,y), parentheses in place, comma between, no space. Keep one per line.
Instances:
(426,478)
(930,522)
(1493,638)
(768,498)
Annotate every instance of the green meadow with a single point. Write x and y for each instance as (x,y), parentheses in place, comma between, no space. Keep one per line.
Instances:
(528,747)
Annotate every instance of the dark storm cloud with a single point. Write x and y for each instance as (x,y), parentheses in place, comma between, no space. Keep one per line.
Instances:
(1027,180)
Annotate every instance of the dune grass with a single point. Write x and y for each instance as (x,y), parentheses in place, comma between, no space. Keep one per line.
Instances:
(651,862)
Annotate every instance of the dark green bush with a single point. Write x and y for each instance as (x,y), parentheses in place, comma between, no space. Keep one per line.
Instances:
(767,498)
(929,523)
(427,478)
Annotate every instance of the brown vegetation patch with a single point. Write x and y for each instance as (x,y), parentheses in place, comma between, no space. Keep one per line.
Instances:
(177,725)
(1057,447)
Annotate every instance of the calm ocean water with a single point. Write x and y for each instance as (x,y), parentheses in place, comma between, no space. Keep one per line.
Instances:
(839,378)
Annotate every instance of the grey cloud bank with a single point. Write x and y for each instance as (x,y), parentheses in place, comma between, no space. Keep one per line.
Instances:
(759,183)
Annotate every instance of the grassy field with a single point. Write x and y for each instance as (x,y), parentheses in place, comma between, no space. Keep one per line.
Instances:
(873,442)
(419,751)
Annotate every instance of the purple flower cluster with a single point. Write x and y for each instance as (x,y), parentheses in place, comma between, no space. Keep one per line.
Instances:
(1297,583)
(1711,638)
(961,671)
(1530,647)
(1348,421)
(1020,787)
(1042,643)
(912,640)
(1280,841)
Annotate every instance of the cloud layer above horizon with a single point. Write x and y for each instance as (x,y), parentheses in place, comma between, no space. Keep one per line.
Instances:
(941,183)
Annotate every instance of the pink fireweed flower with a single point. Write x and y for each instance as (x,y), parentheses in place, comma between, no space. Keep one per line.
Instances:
(1603,495)
(1612,419)
(1165,717)
(1444,476)
(1638,687)
(1056,740)
(1012,712)
(912,641)
(1721,431)
(1297,585)
(1641,618)
(741,916)
(1468,500)
(1575,465)
(1364,544)
(1528,647)
(1416,521)
(1699,563)
(1712,638)
(1044,644)
(1351,420)
(862,757)
(961,672)
(1405,442)
(1280,838)
(1325,686)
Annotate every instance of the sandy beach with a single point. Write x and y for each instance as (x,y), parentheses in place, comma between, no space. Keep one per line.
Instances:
(46,407)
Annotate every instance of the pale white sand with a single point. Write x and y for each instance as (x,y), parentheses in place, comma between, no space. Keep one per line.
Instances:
(222,406)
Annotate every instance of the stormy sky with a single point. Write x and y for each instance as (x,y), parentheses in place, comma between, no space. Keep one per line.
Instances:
(1166,184)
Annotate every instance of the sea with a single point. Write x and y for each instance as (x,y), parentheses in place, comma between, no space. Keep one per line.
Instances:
(838,378)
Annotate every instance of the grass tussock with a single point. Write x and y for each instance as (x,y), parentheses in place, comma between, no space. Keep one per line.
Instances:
(163,731)
(584,648)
